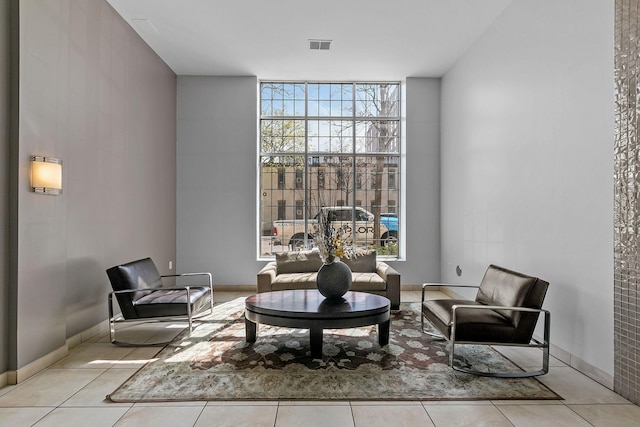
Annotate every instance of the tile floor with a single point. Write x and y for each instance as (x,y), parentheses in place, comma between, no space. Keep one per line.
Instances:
(72,393)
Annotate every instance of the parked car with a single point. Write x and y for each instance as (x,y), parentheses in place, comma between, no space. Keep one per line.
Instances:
(390,221)
(291,232)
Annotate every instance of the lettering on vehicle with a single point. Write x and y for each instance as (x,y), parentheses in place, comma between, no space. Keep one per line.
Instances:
(364,230)
(292,231)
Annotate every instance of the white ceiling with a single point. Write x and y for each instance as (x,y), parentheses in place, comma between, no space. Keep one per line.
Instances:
(371,39)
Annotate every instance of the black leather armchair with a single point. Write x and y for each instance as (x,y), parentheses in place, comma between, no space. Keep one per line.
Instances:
(505,312)
(138,288)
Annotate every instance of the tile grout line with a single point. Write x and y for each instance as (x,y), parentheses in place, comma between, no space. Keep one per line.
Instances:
(353,416)
(428,414)
(275,419)
(503,414)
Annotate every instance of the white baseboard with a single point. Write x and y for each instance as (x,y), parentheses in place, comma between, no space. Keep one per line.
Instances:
(15,377)
(234,288)
(409,287)
(86,335)
(592,372)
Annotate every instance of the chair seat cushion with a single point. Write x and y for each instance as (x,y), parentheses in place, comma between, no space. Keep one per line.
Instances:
(367,282)
(294,281)
(172,302)
(471,324)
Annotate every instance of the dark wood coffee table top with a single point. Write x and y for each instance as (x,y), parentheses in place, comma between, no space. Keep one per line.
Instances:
(308,309)
(310,304)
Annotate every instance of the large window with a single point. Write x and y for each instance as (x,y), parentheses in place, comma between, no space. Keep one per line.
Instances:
(334,146)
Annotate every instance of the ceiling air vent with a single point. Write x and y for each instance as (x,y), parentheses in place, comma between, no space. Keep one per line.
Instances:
(319,44)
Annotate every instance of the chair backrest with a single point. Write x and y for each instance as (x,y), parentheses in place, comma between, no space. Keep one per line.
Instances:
(504,287)
(140,274)
(298,262)
(365,262)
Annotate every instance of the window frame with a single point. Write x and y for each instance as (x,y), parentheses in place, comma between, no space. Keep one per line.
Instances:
(314,158)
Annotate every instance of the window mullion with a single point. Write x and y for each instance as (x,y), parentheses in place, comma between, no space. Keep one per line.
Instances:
(307,192)
(353,154)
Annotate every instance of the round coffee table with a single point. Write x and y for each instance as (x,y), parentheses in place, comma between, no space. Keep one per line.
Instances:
(308,309)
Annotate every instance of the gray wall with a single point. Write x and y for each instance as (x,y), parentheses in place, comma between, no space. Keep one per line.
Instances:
(93,94)
(216,152)
(217,170)
(527,163)
(4,182)
(422,153)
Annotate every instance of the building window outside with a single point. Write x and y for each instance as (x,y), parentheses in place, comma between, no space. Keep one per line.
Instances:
(338,140)
(281,178)
(299,178)
(341,178)
(282,209)
(391,185)
(299,209)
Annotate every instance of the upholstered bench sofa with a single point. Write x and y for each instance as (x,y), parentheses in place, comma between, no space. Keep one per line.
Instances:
(299,269)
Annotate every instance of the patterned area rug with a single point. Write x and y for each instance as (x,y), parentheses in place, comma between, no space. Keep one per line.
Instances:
(215,363)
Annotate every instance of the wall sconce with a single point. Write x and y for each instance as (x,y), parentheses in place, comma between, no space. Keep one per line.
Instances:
(46,175)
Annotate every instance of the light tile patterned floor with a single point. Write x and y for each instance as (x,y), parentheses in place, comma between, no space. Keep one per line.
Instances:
(72,393)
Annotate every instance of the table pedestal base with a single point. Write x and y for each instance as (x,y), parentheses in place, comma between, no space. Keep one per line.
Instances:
(316,336)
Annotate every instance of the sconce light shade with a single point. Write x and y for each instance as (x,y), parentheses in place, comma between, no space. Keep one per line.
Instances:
(46,175)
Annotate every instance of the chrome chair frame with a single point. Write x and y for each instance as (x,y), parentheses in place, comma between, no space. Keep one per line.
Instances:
(534,343)
(190,317)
